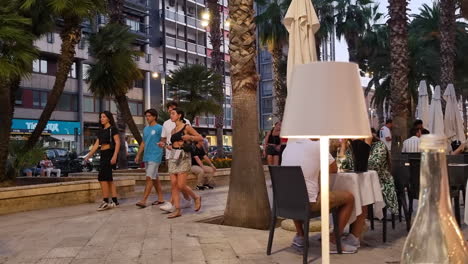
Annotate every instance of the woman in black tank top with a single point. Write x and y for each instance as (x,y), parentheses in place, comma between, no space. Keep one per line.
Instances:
(272,145)
(180,162)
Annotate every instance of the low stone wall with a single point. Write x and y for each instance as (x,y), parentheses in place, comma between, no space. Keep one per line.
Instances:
(74,191)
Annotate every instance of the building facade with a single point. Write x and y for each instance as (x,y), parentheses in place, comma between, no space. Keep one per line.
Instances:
(75,121)
(186,42)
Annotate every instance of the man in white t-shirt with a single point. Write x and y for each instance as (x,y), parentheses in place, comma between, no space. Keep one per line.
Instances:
(168,126)
(306,153)
(386,134)
(411,145)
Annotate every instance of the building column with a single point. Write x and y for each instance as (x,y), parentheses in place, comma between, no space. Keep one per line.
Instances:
(79,73)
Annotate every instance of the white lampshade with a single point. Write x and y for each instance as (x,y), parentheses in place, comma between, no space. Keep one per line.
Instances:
(325,99)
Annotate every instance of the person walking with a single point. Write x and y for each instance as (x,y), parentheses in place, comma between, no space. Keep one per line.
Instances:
(204,173)
(152,157)
(109,142)
(179,160)
(168,127)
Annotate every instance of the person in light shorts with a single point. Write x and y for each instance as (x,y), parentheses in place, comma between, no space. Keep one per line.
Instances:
(152,157)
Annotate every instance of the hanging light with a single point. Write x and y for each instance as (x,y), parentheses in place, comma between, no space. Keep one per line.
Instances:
(206,15)
(155,75)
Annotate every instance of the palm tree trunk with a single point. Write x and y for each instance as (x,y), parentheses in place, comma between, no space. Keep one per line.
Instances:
(380,116)
(5,126)
(318,45)
(122,102)
(217,64)
(115,9)
(447,43)
(400,101)
(122,161)
(70,35)
(279,87)
(465,116)
(247,204)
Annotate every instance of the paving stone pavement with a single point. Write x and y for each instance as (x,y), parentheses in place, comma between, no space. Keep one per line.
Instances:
(81,235)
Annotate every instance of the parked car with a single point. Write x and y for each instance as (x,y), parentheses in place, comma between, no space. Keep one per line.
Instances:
(93,163)
(131,154)
(212,150)
(64,160)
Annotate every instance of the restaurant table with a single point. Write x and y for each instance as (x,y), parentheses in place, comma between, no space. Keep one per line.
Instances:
(365,187)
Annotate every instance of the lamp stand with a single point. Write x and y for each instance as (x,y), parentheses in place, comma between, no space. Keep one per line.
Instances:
(324,199)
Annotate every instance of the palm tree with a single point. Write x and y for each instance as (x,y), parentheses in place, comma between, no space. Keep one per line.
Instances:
(447,42)
(400,101)
(115,70)
(17,53)
(352,19)
(196,88)
(217,64)
(273,35)
(325,13)
(247,203)
(72,13)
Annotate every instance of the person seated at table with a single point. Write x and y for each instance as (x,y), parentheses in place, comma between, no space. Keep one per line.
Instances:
(379,160)
(306,153)
(419,124)
(411,145)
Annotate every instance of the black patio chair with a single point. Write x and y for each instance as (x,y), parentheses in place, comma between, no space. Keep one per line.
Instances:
(291,200)
(457,182)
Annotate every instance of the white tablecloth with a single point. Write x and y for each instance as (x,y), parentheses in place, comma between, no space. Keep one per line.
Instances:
(365,188)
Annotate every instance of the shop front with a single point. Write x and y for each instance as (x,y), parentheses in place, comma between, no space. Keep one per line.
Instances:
(57,134)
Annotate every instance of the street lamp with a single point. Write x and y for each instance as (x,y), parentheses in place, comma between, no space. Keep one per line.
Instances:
(155,75)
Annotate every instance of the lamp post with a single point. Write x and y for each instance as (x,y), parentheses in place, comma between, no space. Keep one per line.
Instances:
(157,75)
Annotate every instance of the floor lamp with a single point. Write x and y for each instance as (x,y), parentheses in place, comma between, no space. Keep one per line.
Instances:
(325,100)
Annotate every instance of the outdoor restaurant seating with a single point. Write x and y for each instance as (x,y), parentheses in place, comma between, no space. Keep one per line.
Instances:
(291,200)
(401,176)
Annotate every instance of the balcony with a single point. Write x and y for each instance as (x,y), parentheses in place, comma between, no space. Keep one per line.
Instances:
(175,43)
(180,19)
(198,2)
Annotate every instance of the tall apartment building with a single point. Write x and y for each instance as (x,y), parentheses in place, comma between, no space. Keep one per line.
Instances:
(186,42)
(75,121)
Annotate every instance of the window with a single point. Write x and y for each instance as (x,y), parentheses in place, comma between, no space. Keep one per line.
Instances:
(113,107)
(88,103)
(19,97)
(86,68)
(136,108)
(267,122)
(267,88)
(97,105)
(267,106)
(68,102)
(266,71)
(134,25)
(72,73)
(139,83)
(50,37)
(40,66)
(39,99)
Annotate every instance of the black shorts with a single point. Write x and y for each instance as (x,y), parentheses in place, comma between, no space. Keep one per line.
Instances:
(271,150)
(105,171)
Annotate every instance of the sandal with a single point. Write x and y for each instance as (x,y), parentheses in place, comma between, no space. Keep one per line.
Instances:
(158,202)
(175,214)
(140,205)
(197,204)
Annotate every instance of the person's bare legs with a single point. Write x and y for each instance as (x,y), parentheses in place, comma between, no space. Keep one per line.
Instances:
(158,189)
(175,196)
(182,185)
(113,188)
(358,226)
(270,160)
(344,213)
(146,194)
(276,159)
(104,189)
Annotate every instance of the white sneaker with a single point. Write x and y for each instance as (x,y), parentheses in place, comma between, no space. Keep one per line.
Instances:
(112,205)
(345,249)
(103,206)
(351,240)
(167,207)
(298,241)
(185,203)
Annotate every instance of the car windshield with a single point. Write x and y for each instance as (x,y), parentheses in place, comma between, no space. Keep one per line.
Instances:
(62,152)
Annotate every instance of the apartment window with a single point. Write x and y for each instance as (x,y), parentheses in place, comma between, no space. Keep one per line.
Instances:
(40,66)
(72,73)
(267,107)
(139,83)
(267,88)
(266,71)
(19,97)
(228,113)
(177,59)
(267,122)
(113,107)
(88,104)
(50,37)
(136,108)
(134,25)
(68,102)
(86,68)
(39,99)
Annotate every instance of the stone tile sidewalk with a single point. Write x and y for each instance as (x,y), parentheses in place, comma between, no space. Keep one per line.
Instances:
(81,235)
